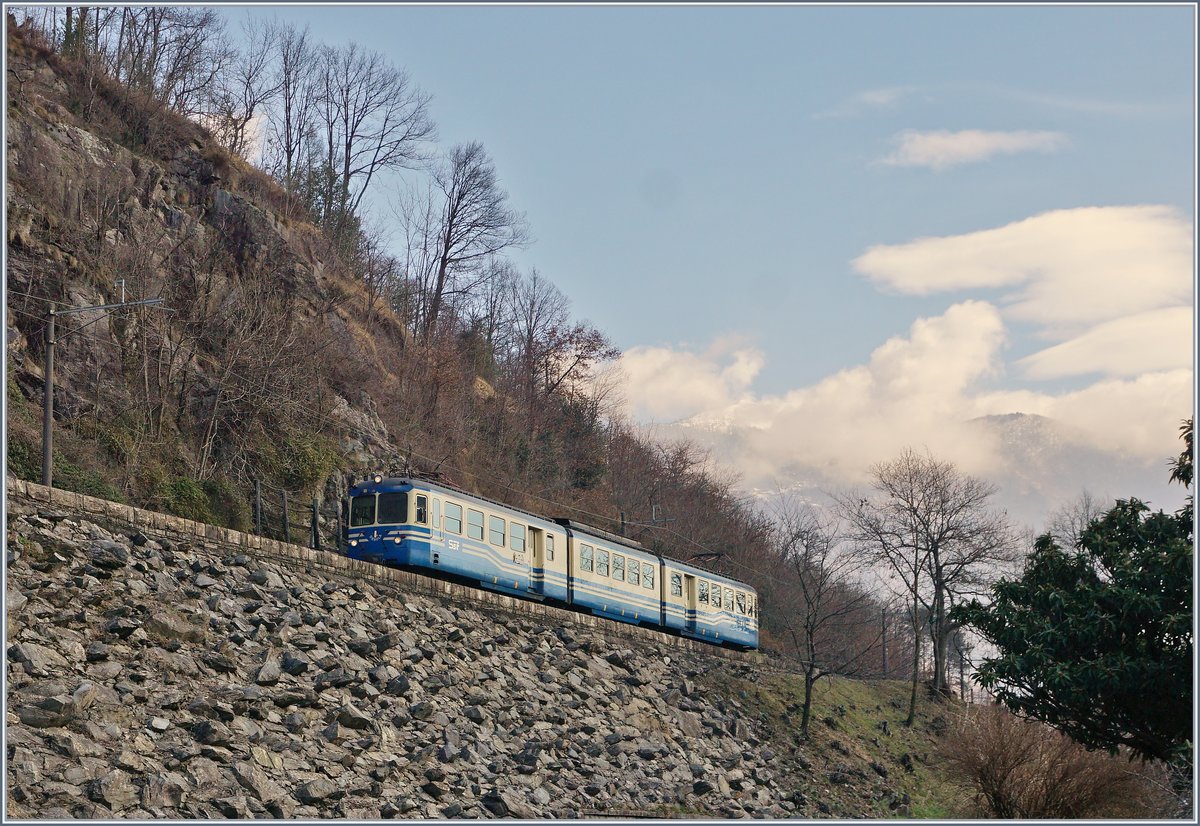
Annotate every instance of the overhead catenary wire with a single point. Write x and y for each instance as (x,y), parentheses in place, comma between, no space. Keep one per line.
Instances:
(319,416)
(11,291)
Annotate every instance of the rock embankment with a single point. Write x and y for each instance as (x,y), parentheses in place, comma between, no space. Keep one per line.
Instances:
(150,676)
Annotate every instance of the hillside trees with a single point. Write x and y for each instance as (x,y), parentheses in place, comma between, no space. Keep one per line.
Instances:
(1096,640)
(173,54)
(932,527)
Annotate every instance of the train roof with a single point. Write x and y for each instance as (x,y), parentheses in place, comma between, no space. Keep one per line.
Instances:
(602,534)
(563,521)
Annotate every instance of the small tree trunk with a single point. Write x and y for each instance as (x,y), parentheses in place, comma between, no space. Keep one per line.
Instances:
(806,714)
(940,639)
(916,669)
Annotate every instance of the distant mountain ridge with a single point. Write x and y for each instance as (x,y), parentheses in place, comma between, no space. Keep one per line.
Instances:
(1043,465)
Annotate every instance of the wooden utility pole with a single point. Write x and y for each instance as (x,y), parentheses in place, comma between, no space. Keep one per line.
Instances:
(48,402)
(48,378)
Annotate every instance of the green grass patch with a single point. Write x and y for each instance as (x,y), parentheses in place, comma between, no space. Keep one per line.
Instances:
(73,477)
(24,461)
(854,723)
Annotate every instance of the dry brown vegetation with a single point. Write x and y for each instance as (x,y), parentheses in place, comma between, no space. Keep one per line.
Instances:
(1023,769)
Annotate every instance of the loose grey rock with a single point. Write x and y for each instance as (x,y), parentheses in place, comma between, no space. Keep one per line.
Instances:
(269,673)
(115,790)
(255,781)
(212,733)
(39,661)
(314,791)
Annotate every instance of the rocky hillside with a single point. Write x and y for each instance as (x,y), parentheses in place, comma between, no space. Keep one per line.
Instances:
(254,371)
(157,668)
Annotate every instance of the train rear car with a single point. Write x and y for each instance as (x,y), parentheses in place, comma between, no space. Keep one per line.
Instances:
(708,606)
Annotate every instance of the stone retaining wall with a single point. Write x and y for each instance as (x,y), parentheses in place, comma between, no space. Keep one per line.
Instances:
(334,564)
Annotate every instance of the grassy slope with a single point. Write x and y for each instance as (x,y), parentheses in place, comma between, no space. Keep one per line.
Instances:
(845,737)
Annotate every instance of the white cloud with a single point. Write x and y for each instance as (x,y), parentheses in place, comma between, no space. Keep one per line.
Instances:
(910,392)
(942,149)
(872,99)
(1111,287)
(666,385)
(1150,341)
(1071,268)
(922,389)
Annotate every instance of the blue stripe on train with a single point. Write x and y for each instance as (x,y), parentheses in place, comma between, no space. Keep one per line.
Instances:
(494,569)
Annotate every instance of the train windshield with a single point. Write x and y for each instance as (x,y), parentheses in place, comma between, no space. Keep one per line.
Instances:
(362,511)
(393,508)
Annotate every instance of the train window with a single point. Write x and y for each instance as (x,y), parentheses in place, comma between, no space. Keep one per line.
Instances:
(728,599)
(475,524)
(601,562)
(422,510)
(516,537)
(437,513)
(647,575)
(704,591)
(496,531)
(750,605)
(618,567)
(585,557)
(676,585)
(393,508)
(549,547)
(362,510)
(741,602)
(635,571)
(453,517)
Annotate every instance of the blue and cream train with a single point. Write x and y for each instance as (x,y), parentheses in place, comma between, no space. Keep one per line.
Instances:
(416,524)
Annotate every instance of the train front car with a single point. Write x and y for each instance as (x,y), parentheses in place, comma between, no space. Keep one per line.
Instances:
(378,527)
(417,524)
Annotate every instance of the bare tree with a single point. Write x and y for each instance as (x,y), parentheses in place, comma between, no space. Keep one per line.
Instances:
(824,612)
(1068,523)
(379,270)
(243,91)
(547,353)
(454,228)
(486,310)
(291,120)
(372,119)
(931,526)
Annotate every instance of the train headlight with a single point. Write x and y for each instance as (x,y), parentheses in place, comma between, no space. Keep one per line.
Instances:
(378,478)
(396,539)
(353,543)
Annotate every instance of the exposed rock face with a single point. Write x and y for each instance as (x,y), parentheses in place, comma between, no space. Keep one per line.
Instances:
(193,680)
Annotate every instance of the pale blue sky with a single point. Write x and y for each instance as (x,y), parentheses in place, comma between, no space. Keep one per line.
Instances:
(693,174)
(681,181)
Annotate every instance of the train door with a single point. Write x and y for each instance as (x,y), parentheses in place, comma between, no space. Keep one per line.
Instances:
(537,560)
(436,533)
(689,603)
